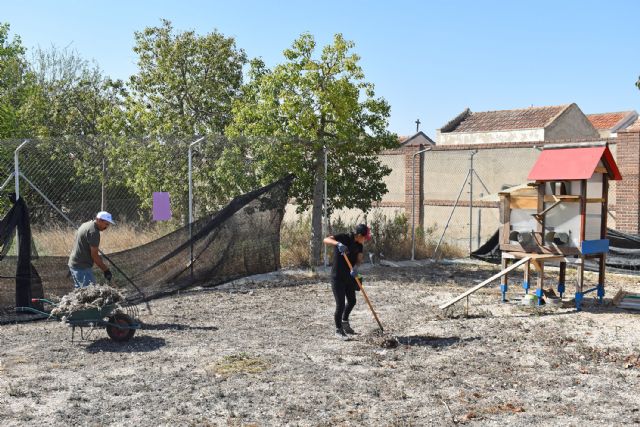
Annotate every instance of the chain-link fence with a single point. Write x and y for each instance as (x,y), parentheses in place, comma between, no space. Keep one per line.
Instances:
(450,194)
(460,191)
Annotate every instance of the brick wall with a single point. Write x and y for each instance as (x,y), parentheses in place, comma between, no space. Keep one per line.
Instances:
(628,190)
(413,183)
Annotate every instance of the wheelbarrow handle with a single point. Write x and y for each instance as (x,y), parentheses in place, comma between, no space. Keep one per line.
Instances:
(43,300)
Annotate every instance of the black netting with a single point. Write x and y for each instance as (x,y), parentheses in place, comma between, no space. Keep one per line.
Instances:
(241,239)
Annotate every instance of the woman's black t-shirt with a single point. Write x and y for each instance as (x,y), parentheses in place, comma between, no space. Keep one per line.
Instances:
(340,269)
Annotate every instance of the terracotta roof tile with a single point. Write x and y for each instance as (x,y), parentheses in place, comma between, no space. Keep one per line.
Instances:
(606,120)
(527,118)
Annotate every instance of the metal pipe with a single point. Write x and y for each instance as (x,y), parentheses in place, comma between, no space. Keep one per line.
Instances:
(413,201)
(470,175)
(6,181)
(326,219)
(46,199)
(191,205)
(17,168)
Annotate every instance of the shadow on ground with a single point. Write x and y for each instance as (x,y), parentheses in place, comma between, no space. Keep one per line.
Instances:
(176,327)
(134,345)
(431,341)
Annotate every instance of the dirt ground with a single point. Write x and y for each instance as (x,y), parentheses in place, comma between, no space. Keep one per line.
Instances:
(261,351)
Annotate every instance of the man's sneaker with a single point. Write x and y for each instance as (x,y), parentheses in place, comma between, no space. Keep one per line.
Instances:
(341,334)
(347,328)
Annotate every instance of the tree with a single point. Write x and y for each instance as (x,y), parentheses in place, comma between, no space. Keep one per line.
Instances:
(185,83)
(15,84)
(74,98)
(305,106)
(638,82)
(184,87)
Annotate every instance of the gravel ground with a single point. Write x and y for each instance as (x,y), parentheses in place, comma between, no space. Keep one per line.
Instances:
(261,351)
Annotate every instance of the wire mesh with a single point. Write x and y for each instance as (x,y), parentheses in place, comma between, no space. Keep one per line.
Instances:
(460,191)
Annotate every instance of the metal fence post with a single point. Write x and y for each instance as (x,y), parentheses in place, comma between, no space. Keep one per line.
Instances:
(191,206)
(471,172)
(326,199)
(17,167)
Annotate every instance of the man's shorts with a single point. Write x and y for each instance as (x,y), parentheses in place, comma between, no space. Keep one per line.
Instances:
(82,277)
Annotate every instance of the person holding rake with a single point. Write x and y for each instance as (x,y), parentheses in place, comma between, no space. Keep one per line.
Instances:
(343,282)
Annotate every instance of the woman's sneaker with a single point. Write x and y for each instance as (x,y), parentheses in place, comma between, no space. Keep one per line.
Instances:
(347,328)
(340,334)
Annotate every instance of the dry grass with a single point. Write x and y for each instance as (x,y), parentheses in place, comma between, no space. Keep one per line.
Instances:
(58,241)
(241,363)
(391,240)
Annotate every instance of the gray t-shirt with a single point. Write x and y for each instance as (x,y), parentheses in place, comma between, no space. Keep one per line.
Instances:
(87,235)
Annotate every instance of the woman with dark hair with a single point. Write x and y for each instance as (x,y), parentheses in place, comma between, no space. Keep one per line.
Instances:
(343,282)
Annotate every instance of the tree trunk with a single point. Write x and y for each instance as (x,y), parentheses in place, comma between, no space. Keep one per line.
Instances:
(316,210)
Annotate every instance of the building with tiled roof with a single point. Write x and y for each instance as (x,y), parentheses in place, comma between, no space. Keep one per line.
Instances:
(634,127)
(521,125)
(608,124)
(419,138)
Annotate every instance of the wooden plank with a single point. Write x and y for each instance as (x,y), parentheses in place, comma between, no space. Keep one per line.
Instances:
(618,297)
(601,169)
(554,250)
(504,263)
(486,282)
(539,210)
(570,199)
(562,198)
(523,202)
(540,279)
(505,219)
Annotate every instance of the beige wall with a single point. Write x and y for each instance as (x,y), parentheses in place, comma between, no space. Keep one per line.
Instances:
(444,175)
(396,180)
(445,171)
(572,124)
(466,138)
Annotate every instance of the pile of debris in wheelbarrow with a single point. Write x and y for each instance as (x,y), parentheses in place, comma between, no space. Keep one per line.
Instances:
(96,306)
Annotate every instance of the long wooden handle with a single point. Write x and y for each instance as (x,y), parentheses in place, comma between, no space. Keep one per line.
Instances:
(364,294)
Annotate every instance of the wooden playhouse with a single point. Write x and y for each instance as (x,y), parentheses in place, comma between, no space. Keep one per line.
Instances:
(560,217)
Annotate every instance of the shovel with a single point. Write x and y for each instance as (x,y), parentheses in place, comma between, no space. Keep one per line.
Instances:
(364,294)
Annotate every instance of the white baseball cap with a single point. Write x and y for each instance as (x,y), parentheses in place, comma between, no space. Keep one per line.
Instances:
(105,216)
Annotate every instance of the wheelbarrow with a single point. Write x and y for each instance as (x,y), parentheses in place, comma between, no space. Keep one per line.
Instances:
(120,322)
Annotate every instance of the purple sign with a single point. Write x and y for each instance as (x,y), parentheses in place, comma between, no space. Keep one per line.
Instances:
(161,206)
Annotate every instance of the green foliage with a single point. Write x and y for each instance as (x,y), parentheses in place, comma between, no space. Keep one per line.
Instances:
(184,86)
(15,85)
(638,83)
(309,104)
(185,82)
(306,104)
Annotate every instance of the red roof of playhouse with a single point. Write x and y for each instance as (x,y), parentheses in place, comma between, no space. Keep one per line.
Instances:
(573,163)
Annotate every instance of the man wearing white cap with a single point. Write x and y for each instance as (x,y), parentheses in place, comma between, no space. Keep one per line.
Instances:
(85,251)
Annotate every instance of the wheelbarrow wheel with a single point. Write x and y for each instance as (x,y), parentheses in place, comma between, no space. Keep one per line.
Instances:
(123,332)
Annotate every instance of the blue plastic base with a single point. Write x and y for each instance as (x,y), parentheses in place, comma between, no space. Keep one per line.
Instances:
(525,285)
(539,294)
(504,288)
(561,289)
(579,297)
(600,292)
